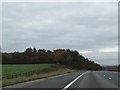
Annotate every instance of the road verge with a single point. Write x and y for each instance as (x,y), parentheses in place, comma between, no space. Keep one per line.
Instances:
(60,71)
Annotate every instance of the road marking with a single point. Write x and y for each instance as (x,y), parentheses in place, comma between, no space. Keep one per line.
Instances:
(110,78)
(73,81)
(104,75)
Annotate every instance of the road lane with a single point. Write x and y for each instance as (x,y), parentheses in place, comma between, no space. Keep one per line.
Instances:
(110,76)
(74,81)
(58,82)
(97,79)
(86,80)
(91,79)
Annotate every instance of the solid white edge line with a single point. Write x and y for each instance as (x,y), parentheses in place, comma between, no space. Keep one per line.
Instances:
(67,86)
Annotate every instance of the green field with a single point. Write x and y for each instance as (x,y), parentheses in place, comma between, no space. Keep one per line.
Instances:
(13,81)
(48,69)
(9,69)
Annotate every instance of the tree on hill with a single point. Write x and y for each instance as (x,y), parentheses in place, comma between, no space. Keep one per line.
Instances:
(62,56)
(28,51)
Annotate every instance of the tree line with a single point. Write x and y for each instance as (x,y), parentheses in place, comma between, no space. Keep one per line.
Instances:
(67,57)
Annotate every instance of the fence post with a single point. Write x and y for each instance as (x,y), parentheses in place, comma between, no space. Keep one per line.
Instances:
(20,74)
(12,76)
(23,74)
(16,75)
(7,77)
(3,77)
(26,74)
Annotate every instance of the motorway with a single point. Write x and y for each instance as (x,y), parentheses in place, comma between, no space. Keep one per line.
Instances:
(81,79)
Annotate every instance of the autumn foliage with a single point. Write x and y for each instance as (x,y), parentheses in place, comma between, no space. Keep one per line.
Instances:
(67,57)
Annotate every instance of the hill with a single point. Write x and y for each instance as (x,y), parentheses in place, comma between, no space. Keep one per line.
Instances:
(67,57)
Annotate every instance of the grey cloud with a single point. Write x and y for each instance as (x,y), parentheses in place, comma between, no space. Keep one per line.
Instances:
(80,26)
(104,58)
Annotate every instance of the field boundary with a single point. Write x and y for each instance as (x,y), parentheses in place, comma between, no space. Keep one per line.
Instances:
(23,84)
(27,73)
(23,74)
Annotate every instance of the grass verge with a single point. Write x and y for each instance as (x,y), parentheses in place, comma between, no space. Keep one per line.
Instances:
(52,72)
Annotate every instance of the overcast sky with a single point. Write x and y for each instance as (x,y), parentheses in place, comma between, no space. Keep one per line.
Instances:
(90,28)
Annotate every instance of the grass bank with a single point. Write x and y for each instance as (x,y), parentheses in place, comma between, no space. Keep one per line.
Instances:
(53,70)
